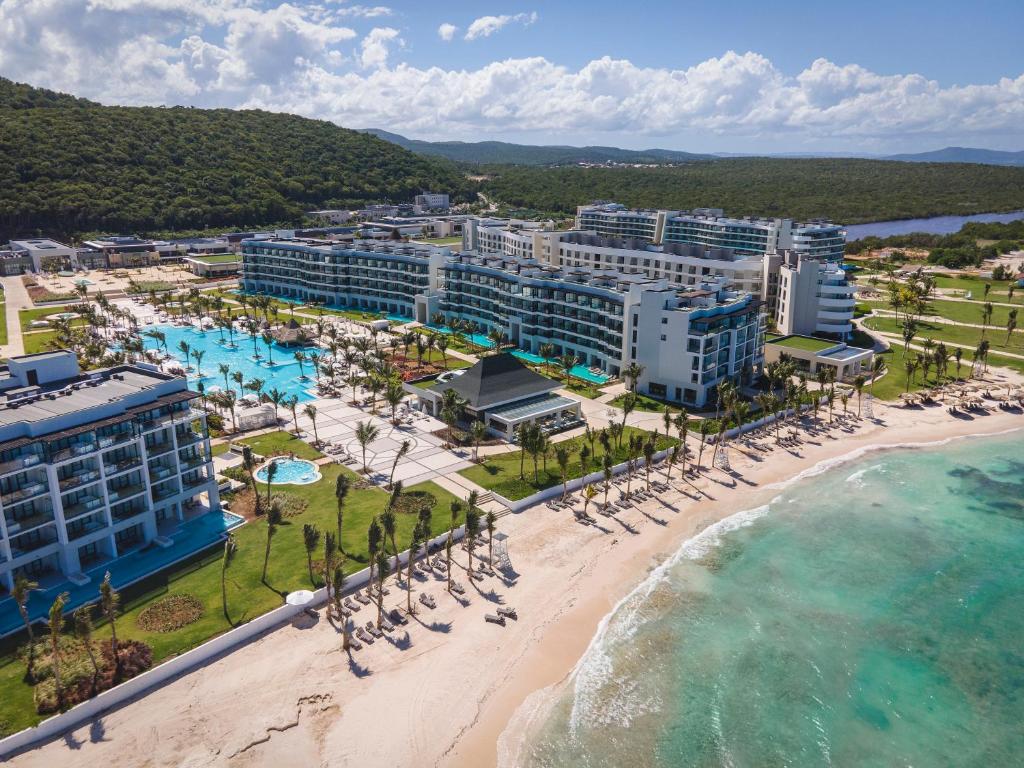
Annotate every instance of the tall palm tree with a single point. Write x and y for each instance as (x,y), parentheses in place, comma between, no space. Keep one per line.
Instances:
(633,372)
(567,362)
(310,540)
(273,520)
(472,530)
(588,495)
(224,370)
(366,433)
(82,618)
(339,588)
(490,522)
(186,353)
(300,358)
(1011,325)
(562,458)
(388,519)
(56,623)
(271,473)
(197,355)
(382,573)
(230,550)
(986,316)
(292,404)
(414,547)
(341,489)
(648,449)
(22,588)
(393,396)
(310,413)
(403,449)
(477,433)
(277,399)
(110,600)
(704,429)
(455,507)
(442,347)
(374,536)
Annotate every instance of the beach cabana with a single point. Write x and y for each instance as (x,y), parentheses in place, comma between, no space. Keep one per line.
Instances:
(291,334)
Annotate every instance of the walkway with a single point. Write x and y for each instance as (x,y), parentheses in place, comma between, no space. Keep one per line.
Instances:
(16,300)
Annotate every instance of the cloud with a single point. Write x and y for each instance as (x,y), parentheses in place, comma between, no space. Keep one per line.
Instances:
(447,31)
(375,46)
(302,58)
(486,26)
(365,11)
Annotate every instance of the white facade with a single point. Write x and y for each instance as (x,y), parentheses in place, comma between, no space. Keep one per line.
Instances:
(814,297)
(432,201)
(46,253)
(93,466)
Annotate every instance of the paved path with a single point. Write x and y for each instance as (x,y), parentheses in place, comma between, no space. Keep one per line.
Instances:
(16,300)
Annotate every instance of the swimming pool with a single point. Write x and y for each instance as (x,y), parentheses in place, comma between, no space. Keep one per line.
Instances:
(290,472)
(477,338)
(579,371)
(283,375)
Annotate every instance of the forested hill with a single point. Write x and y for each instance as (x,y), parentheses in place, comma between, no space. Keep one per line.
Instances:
(532,154)
(68,165)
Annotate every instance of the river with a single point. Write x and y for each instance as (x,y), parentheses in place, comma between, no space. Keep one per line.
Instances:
(937,225)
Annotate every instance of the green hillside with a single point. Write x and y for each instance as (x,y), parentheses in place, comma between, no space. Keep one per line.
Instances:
(69,166)
(846,190)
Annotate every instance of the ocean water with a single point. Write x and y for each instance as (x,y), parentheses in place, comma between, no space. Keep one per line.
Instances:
(872,615)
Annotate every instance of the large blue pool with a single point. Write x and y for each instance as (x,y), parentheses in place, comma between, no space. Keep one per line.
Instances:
(283,375)
(290,471)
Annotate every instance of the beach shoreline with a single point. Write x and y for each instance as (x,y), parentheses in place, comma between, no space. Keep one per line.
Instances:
(459,686)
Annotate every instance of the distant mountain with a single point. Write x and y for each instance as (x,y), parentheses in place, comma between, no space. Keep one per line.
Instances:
(505,153)
(962,155)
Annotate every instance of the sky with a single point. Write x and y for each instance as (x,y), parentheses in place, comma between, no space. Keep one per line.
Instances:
(866,77)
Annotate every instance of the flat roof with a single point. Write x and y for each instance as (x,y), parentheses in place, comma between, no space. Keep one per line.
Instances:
(39,244)
(536,406)
(805,343)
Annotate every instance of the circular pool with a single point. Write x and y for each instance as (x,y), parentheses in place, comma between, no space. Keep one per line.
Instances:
(67,315)
(290,472)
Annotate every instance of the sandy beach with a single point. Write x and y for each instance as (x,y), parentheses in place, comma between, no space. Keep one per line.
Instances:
(444,690)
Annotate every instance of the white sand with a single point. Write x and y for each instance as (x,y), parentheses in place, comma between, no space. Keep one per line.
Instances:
(292,698)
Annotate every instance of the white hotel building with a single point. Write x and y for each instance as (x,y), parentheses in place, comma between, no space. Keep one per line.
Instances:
(802,293)
(94,466)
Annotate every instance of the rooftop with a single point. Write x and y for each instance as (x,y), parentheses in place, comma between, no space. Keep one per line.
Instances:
(805,343)
(496,380)
(38,244)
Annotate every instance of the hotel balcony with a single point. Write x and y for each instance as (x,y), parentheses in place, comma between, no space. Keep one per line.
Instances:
(24,494)
(85,505)
(83,528)
(158,449)
(124,465)
(19,525)
(20,463)
(124,512)
(74,451)
(113,440)
(23,545)
(78,480)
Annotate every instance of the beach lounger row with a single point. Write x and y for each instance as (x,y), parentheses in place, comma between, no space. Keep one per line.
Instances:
(492,618)
(428,600)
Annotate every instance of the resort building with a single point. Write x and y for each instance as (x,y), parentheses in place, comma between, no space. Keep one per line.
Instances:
(116,252)
(372,276)
(801,293)
(94,466)
(504,394)
(432,201)
(44,255)
(686,340)
(711,228)
(214,265)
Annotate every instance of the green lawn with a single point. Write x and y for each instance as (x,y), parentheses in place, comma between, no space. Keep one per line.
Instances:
(38,342)
(3,320)
(247,596)
(145,286)
(961,335)
(500,473)
(643,403)
(438,240)
(964,312)
(275,443)
(977,288)
(26,316)
(805,343)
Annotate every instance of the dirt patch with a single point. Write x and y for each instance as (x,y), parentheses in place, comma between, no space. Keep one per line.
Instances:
(170,614)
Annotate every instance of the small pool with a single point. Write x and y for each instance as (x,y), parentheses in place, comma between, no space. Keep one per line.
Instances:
(66,315)
(477,338)
(83,281)
(290,472)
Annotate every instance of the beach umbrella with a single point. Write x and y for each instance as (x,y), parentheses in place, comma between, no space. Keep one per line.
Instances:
(300,598)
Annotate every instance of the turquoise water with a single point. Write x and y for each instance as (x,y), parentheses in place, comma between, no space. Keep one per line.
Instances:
(869,616)
(294,471)
(283,374)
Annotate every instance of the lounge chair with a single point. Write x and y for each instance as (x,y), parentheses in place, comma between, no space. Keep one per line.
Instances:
(362,635)
(494,619)
(373,630)
(362,598)
(398,616)
(458,588)
(428,600)
(508,612)
(354,644)
(350,605)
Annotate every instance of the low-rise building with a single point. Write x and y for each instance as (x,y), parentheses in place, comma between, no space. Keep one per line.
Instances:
(214,265)
(120,251)
(432,201)
(94,466)
(45,255)
(810,354)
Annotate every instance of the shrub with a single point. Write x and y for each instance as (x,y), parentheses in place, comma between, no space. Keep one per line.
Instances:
(77,671)
(170,614)
(413,502)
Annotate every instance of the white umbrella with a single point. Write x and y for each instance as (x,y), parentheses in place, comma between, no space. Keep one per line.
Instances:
(300,598)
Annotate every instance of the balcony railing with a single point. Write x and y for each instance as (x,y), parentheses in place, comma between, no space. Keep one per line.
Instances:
(21,462)
(159,448)
(22,494)
(20,548)
(77,480)
(72,451)
(86,505)
(122,466)
(128,511)
(27,523)
(109,441)
(84,530)
(125,492)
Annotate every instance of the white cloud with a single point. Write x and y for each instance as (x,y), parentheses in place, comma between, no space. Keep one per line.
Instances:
(486,26)
(365,11)
(447,31)
(299,58)
(375,46)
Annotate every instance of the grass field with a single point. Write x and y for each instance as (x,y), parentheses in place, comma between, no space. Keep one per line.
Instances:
(976,286)
(26,316)
(804,343)
(960,335)
(500,473)
(277,443)
(3,320)
(643,403)
(38,342)
(248,597)
(218,258)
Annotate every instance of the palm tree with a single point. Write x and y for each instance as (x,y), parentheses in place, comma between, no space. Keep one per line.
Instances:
(546,351)
(628,406)
(224,370)
(374,535)
(414,547)
(704,429)
(382,573)
(490,523)
(567,362)
(338,582)
(20,593)
(1011,325)
(633,372)
(648,450)
(83,631)
(858,387)
(271,473)
(230,550)
(366,433)
(300,358)
(472,530)
(56,623)
(388,519)
(958,355)
(310,540)
(909,366)
(986,316)
(393,395)
(310,412)
(877,364)
(341,489)
(277,399)
(292,404)
(477,433)
(455,507)
(186,352)
(562,458)
(197,355)
(273,520)
(451,410)
(403,449)
(588,495)
(238,378)
(109,602)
